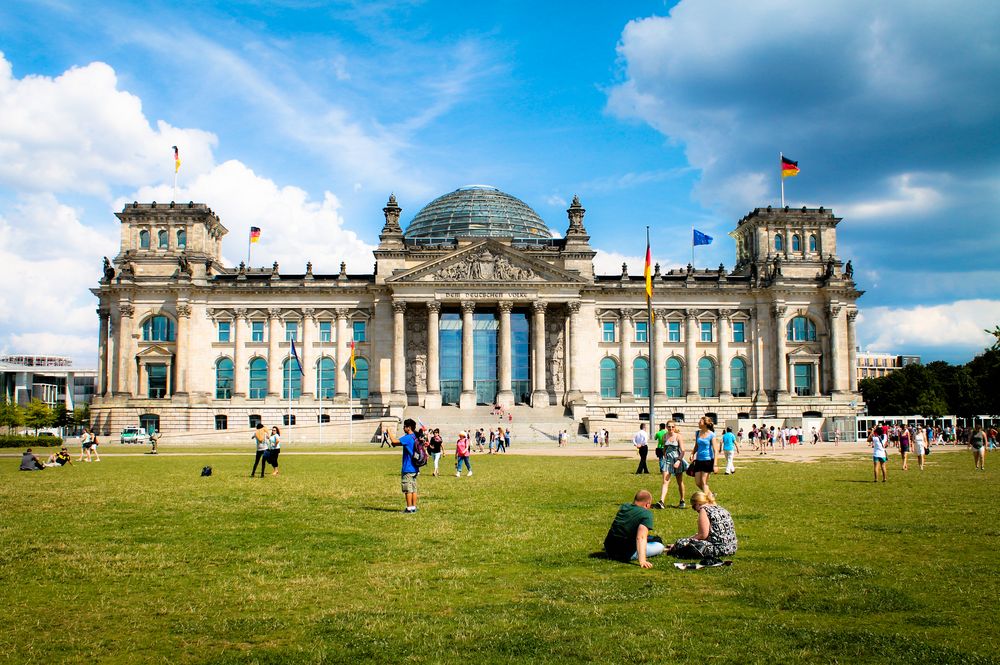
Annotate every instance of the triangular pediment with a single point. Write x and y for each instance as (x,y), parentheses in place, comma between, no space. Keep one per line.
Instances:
(155,351)
(485,262)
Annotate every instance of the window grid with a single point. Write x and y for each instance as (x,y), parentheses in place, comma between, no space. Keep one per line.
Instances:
(673,331)
(359,330)
(706,331)
(608,334)
(642,331)
(739,331)
(256,331)
(224,331)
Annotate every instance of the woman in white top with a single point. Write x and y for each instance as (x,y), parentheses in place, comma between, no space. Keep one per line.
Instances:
(920,440)
(274,448)
(85,444)
(879,456)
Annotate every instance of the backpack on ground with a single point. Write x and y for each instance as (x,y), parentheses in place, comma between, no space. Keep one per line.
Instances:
(419,456)
(206,471)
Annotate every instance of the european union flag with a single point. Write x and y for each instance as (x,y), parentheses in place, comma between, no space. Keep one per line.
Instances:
(701,238)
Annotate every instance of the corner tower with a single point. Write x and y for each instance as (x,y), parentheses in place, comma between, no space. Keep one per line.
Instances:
(800,241)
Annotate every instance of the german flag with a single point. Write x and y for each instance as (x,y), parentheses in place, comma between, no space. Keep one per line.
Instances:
(254,233)
(354,362)
(788,167)
(177,159)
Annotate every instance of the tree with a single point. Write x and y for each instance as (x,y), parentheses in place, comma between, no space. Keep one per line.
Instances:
(81,416)
(985,370)
(61,416)
(38,415)
(11,415)
(912,390)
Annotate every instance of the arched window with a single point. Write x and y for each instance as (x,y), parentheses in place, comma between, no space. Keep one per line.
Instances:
(609,378)
(801,329)
(224,379)
(674,378)
(706,377)
(158,329)
(738,377)
(812,243)
(796,243)
(777,242)
(359,385)
(640,377)
(163,241)
(326,378)
(258,378)
(144,239)
(291,379)
(182,239)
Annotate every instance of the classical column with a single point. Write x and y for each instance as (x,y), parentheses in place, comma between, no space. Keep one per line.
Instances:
(240,369)
(102,352)
(816,386)
(539,395)
(505,396)
(274,369)
(123,349)
(468,397)
(576,349)
(343,352)
(433,398)
(852,351)
(781,355)
(658,371)
(306,356)
(627,334)
(181,358)
(398,351)
(836,376)
(725,383)
(690,353)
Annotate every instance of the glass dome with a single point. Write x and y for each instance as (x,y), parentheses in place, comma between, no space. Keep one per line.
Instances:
(480,211)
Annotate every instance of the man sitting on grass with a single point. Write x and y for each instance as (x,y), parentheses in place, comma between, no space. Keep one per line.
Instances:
(29,462)
(60,458)
(628,538)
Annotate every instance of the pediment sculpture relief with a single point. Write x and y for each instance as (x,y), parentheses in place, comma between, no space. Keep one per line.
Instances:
(484,266)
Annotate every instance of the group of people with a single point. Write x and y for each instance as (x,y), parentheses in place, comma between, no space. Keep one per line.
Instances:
(268,448)
(915,439)
(31,462)
(764,438)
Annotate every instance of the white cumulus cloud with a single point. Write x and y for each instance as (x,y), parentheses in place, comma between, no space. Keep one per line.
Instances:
(961,324)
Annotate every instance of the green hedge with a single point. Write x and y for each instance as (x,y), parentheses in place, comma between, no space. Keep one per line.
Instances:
(17,441)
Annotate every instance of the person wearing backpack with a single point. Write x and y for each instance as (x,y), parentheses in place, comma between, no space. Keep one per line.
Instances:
(259,437)
(411,462)
(462,455)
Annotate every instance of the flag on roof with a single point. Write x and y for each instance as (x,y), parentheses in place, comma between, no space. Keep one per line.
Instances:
(701,238)
(254,233)
(177,160)
(788,167)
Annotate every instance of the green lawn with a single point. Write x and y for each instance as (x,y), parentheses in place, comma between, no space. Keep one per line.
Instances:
(139,559)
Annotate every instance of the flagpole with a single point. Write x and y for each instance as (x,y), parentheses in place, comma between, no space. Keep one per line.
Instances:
(692,248)
(249,245)
(781,175)
(322,350)
(649,338)
(350,406)
(288,382)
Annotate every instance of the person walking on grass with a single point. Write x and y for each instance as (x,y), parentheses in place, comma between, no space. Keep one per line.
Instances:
(501,441)
(703,455)
(259,437)
(920,443)
(273,449)
(729,447)
(408,471)
(879,456)
(672,464)
(978,442)
(628,538)
(436,446)
(462,455)
(641,443)
(904,447)
(660,438)
(85,444)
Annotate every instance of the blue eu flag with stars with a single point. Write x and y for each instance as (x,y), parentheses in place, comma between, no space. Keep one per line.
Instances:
(701,238)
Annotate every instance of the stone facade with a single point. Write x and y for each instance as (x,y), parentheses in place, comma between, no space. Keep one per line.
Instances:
(198,345)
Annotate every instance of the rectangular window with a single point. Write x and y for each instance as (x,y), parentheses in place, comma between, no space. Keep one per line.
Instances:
(256,331)
(221,422)
(288,419)
(739,331)
(291,331)
(224,327)
(642,331)
(359,331)
(673,331)
(157,383)
(706,331)
(325,331)
(608,328)
(803,378)
(254,420)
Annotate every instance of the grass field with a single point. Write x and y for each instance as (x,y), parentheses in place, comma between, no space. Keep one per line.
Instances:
(138,559)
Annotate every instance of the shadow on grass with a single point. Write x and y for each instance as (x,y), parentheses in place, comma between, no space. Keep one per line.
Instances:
(845,480)
(601,554)
(381,509)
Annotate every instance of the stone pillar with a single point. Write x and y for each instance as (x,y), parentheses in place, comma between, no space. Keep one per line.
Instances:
(342,377)
(306,356)
(433,397)
(781,355)
(468,398)
(539,395)
(274,373)
(625,336)
(852,351)
(836,373)
(181,356)
(505,395)
(399,352)
(576,351)
(725,378)
(240,369)
(123,350)
(690,353)
(658,369)
(102,352)
(816,385)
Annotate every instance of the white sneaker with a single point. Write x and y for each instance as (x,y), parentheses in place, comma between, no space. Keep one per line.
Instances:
(469,475)
(458,474)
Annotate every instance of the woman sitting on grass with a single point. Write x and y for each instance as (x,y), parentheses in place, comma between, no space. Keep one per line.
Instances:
(716,535)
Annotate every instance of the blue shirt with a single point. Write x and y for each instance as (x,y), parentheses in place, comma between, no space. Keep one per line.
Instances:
(407,441)
(703,447)
(729,441)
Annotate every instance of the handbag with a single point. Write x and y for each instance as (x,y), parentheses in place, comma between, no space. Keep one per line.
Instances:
(690,470)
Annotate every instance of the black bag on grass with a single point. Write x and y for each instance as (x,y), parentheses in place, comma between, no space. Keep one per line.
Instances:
(206,471)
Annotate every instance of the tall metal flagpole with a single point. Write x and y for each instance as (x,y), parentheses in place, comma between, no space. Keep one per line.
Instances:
(350,406)
(692,248)
(288,383)
(249,245)
(781,176)
(649,340)
(322,351)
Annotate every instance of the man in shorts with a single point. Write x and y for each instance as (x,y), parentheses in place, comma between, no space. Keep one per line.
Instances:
(60,458)
(408,471)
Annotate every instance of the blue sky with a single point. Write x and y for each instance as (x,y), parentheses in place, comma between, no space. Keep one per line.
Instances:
(301,117)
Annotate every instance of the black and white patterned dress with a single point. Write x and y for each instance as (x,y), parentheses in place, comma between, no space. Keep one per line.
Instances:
(721,539)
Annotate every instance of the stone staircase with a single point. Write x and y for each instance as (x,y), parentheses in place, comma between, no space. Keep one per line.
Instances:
(527,424)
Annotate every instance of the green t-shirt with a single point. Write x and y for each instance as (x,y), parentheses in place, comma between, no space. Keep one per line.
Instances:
(660,437)
(620,541)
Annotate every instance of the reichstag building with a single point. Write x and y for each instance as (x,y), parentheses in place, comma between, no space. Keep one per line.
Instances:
(474,303)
